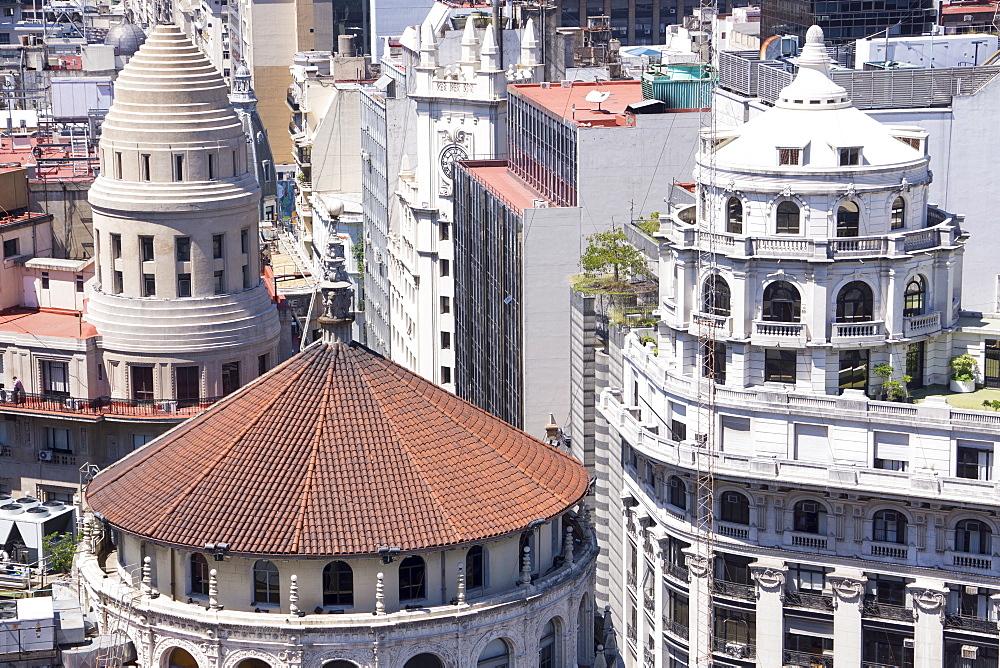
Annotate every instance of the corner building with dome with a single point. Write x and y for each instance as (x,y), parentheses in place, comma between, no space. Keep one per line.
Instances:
(343,512)
(807,291)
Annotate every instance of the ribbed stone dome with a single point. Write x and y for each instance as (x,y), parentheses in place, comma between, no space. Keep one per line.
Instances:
(126,37)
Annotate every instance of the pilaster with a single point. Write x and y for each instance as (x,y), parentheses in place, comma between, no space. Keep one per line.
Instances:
(848,587)
(770,577)
(929,597)
(700,616)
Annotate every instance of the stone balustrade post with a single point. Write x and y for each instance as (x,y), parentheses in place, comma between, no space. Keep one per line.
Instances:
(568,546)
(526,566)
(213,589)
(380,594)
(460,598)
(293,596)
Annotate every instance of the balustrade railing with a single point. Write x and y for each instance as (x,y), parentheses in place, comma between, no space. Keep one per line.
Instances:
(890,551)
(896,613)
(675,628)
(734,590)
(798,599)
(859,246)
(854,330)
(103,405)
(812,542)
(779,329)
(920,240)
(734,648)
(774,247)
(974,624)
(792,658)
(972,561)
(738,532)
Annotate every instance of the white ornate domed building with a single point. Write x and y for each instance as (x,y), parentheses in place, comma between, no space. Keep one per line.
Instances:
(179,303)
(847,530)
(343,512)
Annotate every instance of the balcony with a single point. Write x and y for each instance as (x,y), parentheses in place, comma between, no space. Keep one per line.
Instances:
(676,572)
(778,334)
(980,562)
(292,102)
(675,629)
(810,541)
(973,624)
(737,531)
(807,659)
(736,590)
(890,551)
(896,613)
(104,407)
(919,325)
(798,599)
(705,324)
(858,333)
(858,247)
(648,604)
(734,649)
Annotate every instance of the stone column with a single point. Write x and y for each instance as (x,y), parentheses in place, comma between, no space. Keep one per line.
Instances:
(929,597)
(770,577)
(700,617)
(848,587)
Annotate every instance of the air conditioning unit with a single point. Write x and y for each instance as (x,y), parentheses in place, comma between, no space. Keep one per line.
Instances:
(545,85)
(566,83)
(45,455)
(539,204)
(970,652)
(168,406)
(971,590)
(908,643)
(808,507)
(73,404)
(967,18)
(731,497)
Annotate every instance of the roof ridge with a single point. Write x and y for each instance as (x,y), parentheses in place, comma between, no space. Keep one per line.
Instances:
(224,451)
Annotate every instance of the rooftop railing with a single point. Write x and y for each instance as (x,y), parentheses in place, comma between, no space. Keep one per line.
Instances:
(103,406)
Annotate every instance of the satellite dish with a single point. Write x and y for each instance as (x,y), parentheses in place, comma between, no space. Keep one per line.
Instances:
(597,96)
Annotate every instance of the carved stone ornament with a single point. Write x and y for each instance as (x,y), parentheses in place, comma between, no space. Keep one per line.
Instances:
(851,190)
(698,565)
(846,588)
(769,578)
(904,185)
(929,600)
(786,191)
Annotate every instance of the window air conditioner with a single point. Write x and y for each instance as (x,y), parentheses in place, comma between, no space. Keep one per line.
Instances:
(539,204)
(73,404)
(908,643)
(566,83)
(545,85)
(168,406)
(970,652)
(808,507)
(731,497)
(45,455)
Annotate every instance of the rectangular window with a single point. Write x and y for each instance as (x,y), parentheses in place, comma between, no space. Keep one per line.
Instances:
(10,248)
(234,163)
(117,282)
(182,248)
(678,430)
(246,277)
(974,460)
(139,440)
(116,246)
(144,167)
(713,361)
(188,382)
(445,231)
(183,285)
(148,285)
(57,438)
(445,340)
(211,166)
(244,241)
(118,164)
(446,305)
(55,378)
(262,364)
(789,156)
(779,366)
(445,268)
(142,383)
(178,168)
(850,156)
(79,283)
(853,374)
(230,377)
(445,375)
(220,281)
(45,280)
(890,465)
(146,248)
(218,241)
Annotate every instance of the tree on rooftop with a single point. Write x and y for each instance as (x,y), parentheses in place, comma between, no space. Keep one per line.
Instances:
(610,253)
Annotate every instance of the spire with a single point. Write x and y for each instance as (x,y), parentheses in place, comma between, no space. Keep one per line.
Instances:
(470,45)
(529,44)
(428,46)
(812,87)
(338,298)
(490,53)
(242,94)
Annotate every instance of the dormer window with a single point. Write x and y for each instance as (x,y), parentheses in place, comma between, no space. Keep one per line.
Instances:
(789,156)
(850,156)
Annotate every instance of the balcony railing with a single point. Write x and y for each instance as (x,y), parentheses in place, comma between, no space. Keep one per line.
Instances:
(734,590)
(733,531)
(889,551)
(779,330)
(807,659)
(798,599)
(873,664)
(630,579)
(922,324)
(630,633)
(734,648)
(675,628)
(974,624)
(292,103)
(809,541)
(676,572)
(972,561)
(104,406)
(859,246)
(896,613)
(857,332)
(648,603)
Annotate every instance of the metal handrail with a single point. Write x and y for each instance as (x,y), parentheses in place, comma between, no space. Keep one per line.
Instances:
(103,405)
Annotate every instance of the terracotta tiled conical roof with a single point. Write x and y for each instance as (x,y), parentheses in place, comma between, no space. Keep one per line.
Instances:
(337,452)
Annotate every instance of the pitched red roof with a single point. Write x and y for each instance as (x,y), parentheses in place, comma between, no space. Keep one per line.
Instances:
(338,451)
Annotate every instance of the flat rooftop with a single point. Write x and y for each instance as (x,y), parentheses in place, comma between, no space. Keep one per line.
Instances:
(507,186)
(46,322)
(53,161)
(570,102)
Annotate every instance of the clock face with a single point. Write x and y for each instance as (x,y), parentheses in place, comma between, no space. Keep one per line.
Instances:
(448,157)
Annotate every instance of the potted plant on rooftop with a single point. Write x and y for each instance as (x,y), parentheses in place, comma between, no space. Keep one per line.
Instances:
(963,377)
(885,372)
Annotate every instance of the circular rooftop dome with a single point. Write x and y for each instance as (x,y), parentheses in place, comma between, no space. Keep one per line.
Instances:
(338,451)
(126,37)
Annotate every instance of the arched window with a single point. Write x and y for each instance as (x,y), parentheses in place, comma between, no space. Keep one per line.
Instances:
(809,517)
(494,655)
(340,663)
(475,567)
(715,297)
(889,526)
(412,579)
(855,303)
(782,302)
(787,218)
(735,508)
(338,584)
(585,633)
(548,654)
(180,658)
(424,660)
(678,493)
(199,574)
(253,663)
(974,537)
(914,296)
(266,587)
(897,216)
(734,215)
(848,220)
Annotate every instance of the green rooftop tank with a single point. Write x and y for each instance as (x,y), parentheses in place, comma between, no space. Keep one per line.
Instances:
(679,85)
